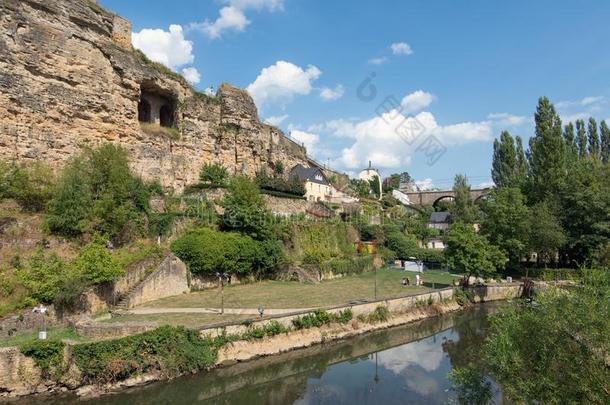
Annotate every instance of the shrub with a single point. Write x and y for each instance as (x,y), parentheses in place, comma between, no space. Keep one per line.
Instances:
(31,186)
(213,174)
(254,332)
(96,263)
(98,192)
(380,314)
(462,296)
(207,251)
(274,328)
(404,246)
(315,319)
(344,316)
(170,350)
(47,355)
(44,276)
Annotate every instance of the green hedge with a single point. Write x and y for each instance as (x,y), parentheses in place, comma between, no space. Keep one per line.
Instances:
(319,318)
(47,355)
(282,194)
(554,274)
(170,350)
(352,265)
(279,184)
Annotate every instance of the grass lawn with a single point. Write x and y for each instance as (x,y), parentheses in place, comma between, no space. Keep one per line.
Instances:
(290,294)
(52,333)
(187,320)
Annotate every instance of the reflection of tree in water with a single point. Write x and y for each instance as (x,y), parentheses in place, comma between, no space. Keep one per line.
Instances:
(471,328)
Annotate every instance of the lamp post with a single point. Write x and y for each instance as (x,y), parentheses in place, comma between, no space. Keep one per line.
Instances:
(375,283)
(42,310)
(221,278)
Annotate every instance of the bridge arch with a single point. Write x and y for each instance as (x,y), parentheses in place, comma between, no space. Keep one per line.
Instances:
(448,197)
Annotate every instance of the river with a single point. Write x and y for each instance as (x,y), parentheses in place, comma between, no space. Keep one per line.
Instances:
(406,365)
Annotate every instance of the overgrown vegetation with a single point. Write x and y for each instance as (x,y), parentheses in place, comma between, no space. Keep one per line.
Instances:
(168,350)
(319,318)
(279,184)
(213,175)
(98,193)
(47,355)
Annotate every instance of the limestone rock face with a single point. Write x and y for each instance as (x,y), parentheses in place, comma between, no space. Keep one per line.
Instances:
(69,79)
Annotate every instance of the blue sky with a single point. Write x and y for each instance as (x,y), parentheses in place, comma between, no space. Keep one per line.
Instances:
(463,70)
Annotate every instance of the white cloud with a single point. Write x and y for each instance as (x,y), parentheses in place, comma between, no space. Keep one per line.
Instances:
(281,82)
(584,102)
(308,139)
(425,184)
(417,101)
(209,91)
(378,61)
(232,17)
(191,75)
(276,120)
(380,138)
(401,48)
(507,120)
(328,94)
(167,47)
(485,184)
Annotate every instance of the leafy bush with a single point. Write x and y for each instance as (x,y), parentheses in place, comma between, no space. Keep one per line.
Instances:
(344,316)
(274,328)
(254,332)
(405,246)
(170,350)
(352,265)
(315,319)
(380,314)
(47,355)
(96,263)
(462,296)
(31,186)
(213,174)
(207,251)
(44,276)
(98,192)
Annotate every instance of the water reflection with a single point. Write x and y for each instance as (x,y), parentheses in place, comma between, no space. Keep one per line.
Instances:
(402,365)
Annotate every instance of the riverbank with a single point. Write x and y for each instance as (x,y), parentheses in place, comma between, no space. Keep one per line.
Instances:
(19,375)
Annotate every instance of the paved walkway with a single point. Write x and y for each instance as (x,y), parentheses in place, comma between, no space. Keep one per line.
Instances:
(233,311)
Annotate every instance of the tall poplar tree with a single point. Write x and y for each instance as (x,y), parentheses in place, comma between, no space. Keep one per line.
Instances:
(547,153)
(605,142)
(504,164)
(581,138)
(463,208)
(593,138)
(522,166)
(570,140)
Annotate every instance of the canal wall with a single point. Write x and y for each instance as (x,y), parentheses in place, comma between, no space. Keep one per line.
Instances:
(19,375)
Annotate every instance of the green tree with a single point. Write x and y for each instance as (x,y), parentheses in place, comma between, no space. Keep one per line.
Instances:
(213,174)
(522,164)
(547,153)
(555,352)
(504,165)
(362,188)
(44,276)
(245,209)
(405,246)
(470,253)
(96,264)
(375,187)
(593,138)
(506,223)
(570,140)
(70,209)
(98,193)
(547,235)
(463,208)
(391,183)
(581,138)
(605,142)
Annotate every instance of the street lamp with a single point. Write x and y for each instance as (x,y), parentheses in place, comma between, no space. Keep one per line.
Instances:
(222,277)
(42,310)
(375,283)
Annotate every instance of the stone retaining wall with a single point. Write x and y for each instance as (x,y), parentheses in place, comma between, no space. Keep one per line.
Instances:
(169,279)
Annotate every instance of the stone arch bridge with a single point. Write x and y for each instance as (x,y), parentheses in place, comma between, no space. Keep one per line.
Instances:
(422,198)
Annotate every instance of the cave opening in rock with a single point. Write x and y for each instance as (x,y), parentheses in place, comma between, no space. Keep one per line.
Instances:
(144,110)
(156,106)
(166,116)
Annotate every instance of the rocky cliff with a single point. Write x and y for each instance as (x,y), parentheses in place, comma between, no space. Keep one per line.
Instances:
(69,78)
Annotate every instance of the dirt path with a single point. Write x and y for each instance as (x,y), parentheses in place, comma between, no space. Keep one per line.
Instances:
(233,311)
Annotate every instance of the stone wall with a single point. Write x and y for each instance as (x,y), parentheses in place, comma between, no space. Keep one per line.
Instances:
(70,79)
(103,330)
(27,321)
(18,373)
(286,206)
(170,278)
